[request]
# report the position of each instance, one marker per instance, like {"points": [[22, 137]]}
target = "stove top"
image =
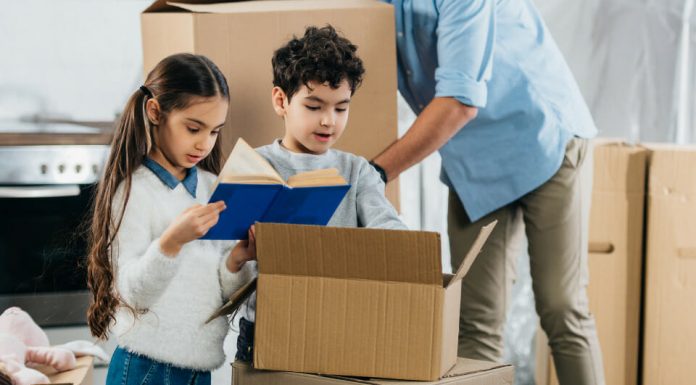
{"points": [[30, 133]]}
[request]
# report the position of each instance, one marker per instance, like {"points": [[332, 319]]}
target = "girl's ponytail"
{"points": [[132, 138]]}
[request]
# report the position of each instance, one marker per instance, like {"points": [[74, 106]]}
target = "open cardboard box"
{"points": [[355, 302]]}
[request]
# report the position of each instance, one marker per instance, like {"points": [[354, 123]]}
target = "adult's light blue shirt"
{"points": [[499, 57]]}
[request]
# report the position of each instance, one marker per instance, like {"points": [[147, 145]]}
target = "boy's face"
{"points": [[315, 117]]}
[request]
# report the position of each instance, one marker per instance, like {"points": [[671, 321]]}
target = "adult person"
{"points": [[495, 97]]}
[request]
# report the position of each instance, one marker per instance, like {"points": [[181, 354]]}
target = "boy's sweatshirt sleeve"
{"points": [[142, 270], [374, 209]]}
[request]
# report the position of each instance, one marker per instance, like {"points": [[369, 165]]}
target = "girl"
{"points": [[151, 282]]}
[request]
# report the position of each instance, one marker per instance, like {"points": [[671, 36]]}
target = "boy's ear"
{"points": [[278, 98], [152, 109]]}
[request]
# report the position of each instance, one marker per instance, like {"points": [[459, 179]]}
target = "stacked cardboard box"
{"points": [[240, 37], [670, 318], [465, 372], [615, 261]]}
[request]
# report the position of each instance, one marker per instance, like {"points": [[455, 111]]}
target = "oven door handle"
{"points": [[39, 191]]}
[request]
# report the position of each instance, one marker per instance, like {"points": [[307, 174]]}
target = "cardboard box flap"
{"points": [[473, 252], [349, 253], [236, 300], [207, 6], [167, 6], [464, 367]]}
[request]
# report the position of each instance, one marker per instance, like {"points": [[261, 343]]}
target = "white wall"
{"points": [[73, 59]]}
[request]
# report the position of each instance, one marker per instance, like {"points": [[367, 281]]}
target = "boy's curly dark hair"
{"points": [[322, 56]]}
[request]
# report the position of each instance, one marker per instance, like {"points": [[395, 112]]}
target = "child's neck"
{"points": [[297, 147], [178, 172]]}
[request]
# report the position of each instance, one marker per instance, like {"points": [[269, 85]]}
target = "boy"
{"points": [[314, 78]]}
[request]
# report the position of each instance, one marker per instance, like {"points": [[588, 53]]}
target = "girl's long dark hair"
{"points": [[176, 82]]}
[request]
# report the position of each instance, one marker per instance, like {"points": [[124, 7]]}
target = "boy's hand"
{"points": [[192, 224], [242, 252]]}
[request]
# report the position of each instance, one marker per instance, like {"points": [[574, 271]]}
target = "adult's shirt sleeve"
{"points": [[465, 42]]}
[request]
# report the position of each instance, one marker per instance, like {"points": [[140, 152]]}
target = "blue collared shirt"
{"points": [[499, 57], [190, 182]]}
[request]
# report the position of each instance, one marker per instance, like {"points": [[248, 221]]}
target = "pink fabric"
{"points": [[58, 358], [17, 322], [22, 341], [12, 352]]}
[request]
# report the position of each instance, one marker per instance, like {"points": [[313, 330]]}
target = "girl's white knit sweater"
{"points": [[177, 294]]}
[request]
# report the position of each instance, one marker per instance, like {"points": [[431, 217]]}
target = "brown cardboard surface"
{"points": [[615, 259], [269, 6], [360, 253], [465, 372], [470, 257], [616, 256], [83, 374], [240, 38], [450, 325], [358, 302], [669, 332], [348, 327]]}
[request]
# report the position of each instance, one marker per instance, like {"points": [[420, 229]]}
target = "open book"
{"points": [[254, 192]]}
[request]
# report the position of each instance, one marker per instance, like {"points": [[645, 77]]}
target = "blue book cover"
{"points": [[254, 192], [251, 203]]}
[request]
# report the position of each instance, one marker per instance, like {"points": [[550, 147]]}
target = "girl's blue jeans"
{"points": [[128, 368]]}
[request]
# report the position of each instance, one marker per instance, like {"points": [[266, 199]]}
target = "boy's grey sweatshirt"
{"points": [[364, 204]]}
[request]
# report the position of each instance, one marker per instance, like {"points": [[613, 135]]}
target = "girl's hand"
{"points": [[192, 224], [243, 251]]}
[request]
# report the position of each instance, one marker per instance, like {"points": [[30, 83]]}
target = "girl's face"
{"points": [[188, 135]]}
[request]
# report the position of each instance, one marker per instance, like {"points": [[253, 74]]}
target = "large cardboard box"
{"points": [[240, 38], [83, 374], [356, 302], [670, 316], [465, 372], [615, 260]]}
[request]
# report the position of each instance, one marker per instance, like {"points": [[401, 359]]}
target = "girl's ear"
{"points": [[152, 108], [279, 100]]}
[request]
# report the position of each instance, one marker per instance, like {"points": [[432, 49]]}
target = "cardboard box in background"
{"points": [[240, 37], [356, 302], [83, 374], [670, 315], [615, 261], [465, 372]]}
